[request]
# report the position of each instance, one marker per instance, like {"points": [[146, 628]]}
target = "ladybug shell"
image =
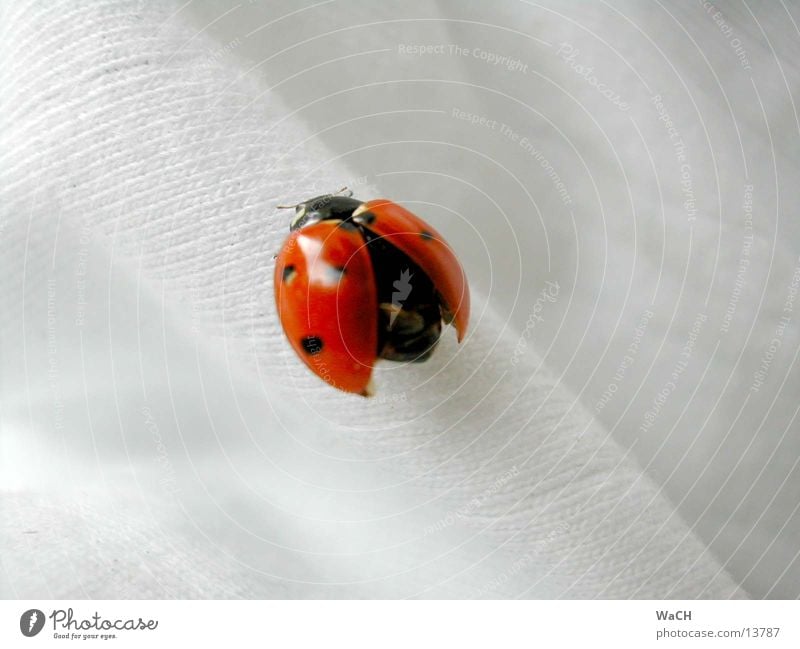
{"points": [[425, 247], [327, 299]]}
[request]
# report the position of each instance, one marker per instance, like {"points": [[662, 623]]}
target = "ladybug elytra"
{"points": [[357, 281]]}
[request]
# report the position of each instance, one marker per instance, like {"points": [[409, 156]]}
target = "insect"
{"points": [[357, 281]]}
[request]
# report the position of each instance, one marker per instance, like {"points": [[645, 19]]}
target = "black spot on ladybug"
{"points": [[312, 345], [289, 273], [426, 235], [368, 218], [348, 225]]}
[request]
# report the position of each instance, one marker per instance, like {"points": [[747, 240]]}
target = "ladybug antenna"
{"points": [[344, 189], [286, 207]]}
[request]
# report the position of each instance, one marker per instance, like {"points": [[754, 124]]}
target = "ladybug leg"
{"points": [[409, 334], [401, 321]]}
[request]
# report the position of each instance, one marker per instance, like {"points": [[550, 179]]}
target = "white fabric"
{"points": [[159, 439]]}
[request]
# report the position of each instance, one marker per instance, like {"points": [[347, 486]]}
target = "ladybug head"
{"points": [[322, 208]]}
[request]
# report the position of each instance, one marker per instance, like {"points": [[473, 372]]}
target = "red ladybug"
{"points": [[357, 281]]}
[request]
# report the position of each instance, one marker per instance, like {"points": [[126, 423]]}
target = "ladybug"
{"points": [[357, 281]]}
